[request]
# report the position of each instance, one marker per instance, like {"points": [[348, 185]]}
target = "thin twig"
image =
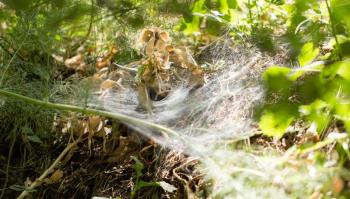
{"points": [[39, 180], [133, 70]]}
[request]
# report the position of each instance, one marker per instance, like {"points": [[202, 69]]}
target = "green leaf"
{"points": [[193, 24], [138, 166], [35, 138], [17, 187], [27, 130], [141, 184], [317, 112], [341, 12], [274, 122], [308, 54], [226, 5], [58, 37], [166, 186], [343, 113], [276, 78], [344, 69]]}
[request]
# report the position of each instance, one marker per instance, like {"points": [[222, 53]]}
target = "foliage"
{"points": [[139, 184], [33, 32], [316, 91], [321, 90]]}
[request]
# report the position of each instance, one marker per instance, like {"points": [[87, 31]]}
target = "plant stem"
{"points": [[39, 180], [331, 21], [118, 116]]}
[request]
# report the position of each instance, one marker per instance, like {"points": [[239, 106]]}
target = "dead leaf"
{"points": [[77, 62], [166, 186], [146, 35], [106, 60], [164, 36], [58, 58], [102, 63], [94, 123], [337, 185], [109, 84], [56, 176], [316, 195]]}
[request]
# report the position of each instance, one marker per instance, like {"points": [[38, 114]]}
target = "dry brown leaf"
{"points": [[106, 59], [109, 84], [145, 36], [316, 195], [56, 176], [337, 185], [153, 39], [197, 72], [75, 62], [118, 74], [94, 122], [28, 182], [102, 63], [80, 128], [149, 49], [58, 58], [164, 36], [156, 74]]}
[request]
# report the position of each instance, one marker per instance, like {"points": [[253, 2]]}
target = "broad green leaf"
{"points": [[317, 112], [308, 54], [344, 69], [275, 122], [226, 5], [298, 72], [193, 25], [271, 125], [276, 78], [343, 113], [340, 38], [341, 12]]}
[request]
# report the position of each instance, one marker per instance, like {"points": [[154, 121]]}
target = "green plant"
{"points": [[321, 89], [139, 184]]}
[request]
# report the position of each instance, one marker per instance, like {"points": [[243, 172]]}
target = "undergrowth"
{"points": [[297, 147]]}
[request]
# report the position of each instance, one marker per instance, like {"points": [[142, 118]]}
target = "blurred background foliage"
{"points": [[316, 33]]}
